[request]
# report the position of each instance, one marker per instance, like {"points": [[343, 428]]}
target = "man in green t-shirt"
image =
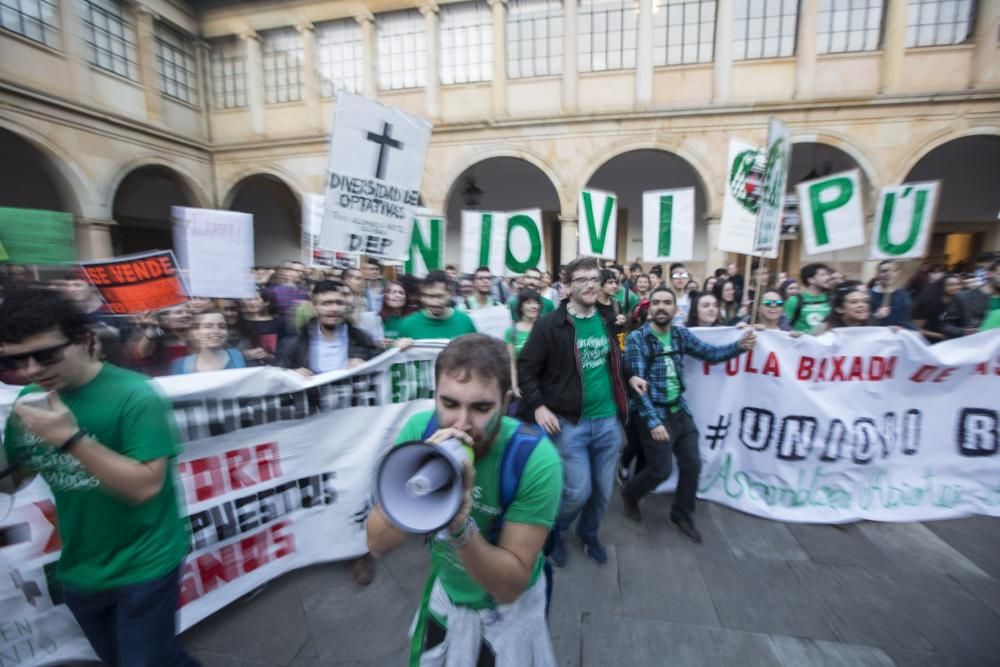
{"points": [[103, 440], [438, 319], [532, 281], [572, 383], [473, 389], [808, 310]]}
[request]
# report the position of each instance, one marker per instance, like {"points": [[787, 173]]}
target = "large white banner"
{"points": [[276, 471], [376, 162], [903, 220], [741, 199], [216, 250], [833, 216], [855, 424], [668, 225]]}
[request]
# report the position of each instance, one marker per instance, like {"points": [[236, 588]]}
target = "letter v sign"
{"points": [[596, 242]]}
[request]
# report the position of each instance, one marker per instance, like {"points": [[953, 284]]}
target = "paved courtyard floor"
{"points": [[756, 592]]}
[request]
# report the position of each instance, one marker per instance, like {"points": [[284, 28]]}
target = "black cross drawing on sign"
{"points": [[383, 140]]}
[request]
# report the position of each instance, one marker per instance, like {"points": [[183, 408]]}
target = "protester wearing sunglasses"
{"points": [[103, 440], [771, 313], [679, 278]]}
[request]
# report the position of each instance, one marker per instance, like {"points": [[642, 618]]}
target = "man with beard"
{"points": [[487, 600], [327, 343], [572, 383], [656, 352], [438, 319]]}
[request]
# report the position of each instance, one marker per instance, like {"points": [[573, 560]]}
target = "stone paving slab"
{"points": [[754, 593]]}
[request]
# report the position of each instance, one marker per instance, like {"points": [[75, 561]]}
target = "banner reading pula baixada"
{"points": [[276, 470]]}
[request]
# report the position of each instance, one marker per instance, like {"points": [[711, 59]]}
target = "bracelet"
{"points": [[73, 439], [464, 535]]}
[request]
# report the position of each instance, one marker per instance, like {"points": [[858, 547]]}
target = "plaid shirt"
{"points": [[641, 352]]}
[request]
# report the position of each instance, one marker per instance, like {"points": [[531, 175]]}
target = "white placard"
{"points": [[832, 212], [493, 321], [216, 250], [377, 158], [740, 203], [484, 241], [598, 224], [427, 245], [525, 242], [778, 159], [668, 225], [903, 220]]}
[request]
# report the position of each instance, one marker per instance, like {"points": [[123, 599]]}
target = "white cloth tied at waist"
{"points": [[517, 632]]}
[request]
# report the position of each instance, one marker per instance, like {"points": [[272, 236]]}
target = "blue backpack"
{"points": [[514, 459]]}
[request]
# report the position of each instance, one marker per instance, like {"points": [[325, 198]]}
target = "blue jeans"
{"points": [[589, 451], [132, 626]]}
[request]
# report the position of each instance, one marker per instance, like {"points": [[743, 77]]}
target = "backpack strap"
{"points": [[798, 311], [432, 426], [512, 463]]}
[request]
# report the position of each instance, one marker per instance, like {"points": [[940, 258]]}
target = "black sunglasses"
{"points": [[46, 357]]}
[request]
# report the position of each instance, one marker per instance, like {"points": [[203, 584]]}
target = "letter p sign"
{"points": [[832, 214]]}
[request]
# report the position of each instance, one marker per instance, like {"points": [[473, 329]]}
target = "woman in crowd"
{"points": [[394, 308], [230, 309], [789, 287], [610, 308], [770, 312], [209, 334], [160, 338], [850, 306], [709, 285], [704, 311], [529, 307], [940, 314], [259, 329], [730, 311]]}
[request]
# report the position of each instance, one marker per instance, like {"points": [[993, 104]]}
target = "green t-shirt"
{"points": [[390, 327], [673, 382], [517, 338], [108, 542], [420, 325], [994, 303], [628, 299], [814, 310], [547, 307], [992, 320], [593, 351], [536, 503]]}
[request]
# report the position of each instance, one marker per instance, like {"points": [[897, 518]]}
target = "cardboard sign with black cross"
{"points": [[377, 156]]}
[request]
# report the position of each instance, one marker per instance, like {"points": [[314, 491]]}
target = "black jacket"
{"points": [[293, 352], [548, 369]]}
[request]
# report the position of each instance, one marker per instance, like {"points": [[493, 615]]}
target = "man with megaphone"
{"points": [[486, 596]]}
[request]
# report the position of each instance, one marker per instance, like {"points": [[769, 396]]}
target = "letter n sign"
{"points": [[903, 220], [426, 246]]}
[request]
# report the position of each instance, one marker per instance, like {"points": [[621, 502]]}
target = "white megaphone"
{"points": [[420, 485]]}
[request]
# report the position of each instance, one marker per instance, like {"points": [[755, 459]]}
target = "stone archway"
{"points": [[630, 174], [969, 203], [503, 184], [141, 207], [277, 216]]}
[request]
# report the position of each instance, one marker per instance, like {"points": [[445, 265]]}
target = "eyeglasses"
{"points": [[46, 357], [592, 280], [772, 302], [680, 275]]}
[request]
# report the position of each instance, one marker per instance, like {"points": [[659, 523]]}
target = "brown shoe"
{"points": [[363, 570]]}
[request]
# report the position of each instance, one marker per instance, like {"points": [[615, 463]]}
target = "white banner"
{"points": [[216, 250], [779, 157], [668, 225], [426, 246], [525, 242], [312, 223], [484, 241], [741, 199], [377, 158], [598, 224], [833, 216], [492, 321], [857, 424], [903, 220]]}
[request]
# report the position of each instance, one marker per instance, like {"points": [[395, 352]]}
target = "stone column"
{"points": [[569, 68], [714, 257], [93, 238], [499, 88], [986, 61], [369, 83], [80, 76], [644, 56], [805, 60], [255, 82], [569, 244], [310, 74], [723, 70], [145, 31], [893, 45], [433, 90]]}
